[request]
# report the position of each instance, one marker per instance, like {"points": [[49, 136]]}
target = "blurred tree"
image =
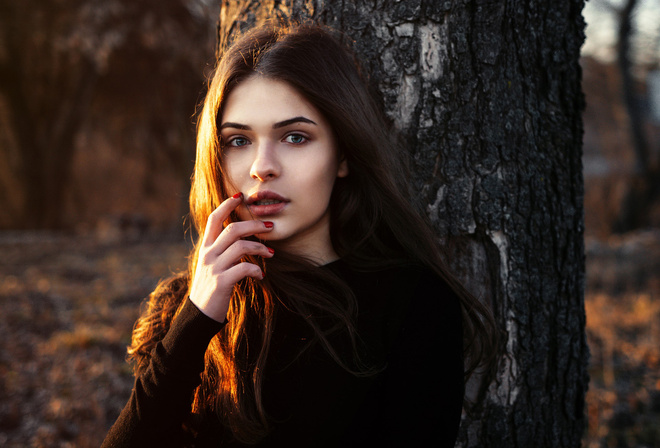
{"points": [[488, 97], [78, 75], [644, 188], [46, 86]]}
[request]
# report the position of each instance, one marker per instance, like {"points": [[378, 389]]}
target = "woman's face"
{"points": [[280, 152]]}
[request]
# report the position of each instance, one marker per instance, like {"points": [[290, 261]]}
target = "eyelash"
{"points": [[232, 140], [295, 134]]}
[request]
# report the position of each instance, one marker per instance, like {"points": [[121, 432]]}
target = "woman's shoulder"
{"points": [[400, 287], [405, 302], [426, 291], [427, 308]]}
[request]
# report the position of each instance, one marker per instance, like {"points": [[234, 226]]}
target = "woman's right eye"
{"points": [[238, 141]]}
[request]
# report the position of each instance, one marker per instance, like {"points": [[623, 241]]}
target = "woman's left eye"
{"points": [[296, 139]]}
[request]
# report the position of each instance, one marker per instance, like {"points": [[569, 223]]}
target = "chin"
{"points": [[268, 236]]}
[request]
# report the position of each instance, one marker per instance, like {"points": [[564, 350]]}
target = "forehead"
{"points": [[259, 99]]}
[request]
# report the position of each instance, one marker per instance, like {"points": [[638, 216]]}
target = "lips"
{"points": [[265, 203]]}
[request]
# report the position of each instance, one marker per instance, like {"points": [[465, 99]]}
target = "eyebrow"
{"points": [[277, 125], [229, 124], [284, 123]]}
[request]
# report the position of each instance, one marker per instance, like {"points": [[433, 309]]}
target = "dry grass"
{"points": [[623, 329]]}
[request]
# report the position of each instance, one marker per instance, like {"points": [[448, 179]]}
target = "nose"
{"points": [[265, 165]]}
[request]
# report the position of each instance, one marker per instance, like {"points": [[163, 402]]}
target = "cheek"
{"points": [[231, 178], [328, 176], [320, 189], [228, 185]]}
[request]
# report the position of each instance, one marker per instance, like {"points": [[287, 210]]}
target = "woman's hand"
{"points": [[218, 265]]}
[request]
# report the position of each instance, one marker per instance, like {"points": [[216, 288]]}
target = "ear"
{"points": [[342, 170]]}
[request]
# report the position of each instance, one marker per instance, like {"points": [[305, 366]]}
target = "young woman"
{"points": [[316, 310]]}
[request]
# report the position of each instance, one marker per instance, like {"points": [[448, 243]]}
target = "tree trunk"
{"points": [[487, 95], [46, 92]]}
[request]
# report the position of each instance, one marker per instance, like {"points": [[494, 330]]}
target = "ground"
{"points": [[623, 330], [67, 306]]}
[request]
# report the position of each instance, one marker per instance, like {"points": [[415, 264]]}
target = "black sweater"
{"points": [[409, 319]]}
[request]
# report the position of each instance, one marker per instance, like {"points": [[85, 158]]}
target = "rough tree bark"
{"points": [[488, 97]]}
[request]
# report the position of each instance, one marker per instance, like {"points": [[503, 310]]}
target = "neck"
{"points": [[315, 247]]}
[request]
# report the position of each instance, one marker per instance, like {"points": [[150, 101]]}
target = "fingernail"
{"points": [[263, 275], [268, 224], [237, 195], [272, 251]]}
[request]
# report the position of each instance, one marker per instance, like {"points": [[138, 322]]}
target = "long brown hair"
{"points": [[373, 223]]}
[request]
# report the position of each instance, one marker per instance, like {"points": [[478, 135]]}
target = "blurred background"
{"points": [[621, 82], [97, 122], [97, 105]]}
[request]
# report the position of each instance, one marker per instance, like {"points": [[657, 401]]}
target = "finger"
{"points": [[238, 250], [217, 217], [236, 273], [237, 230]]}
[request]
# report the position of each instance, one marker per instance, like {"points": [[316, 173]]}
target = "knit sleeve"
{"points": [[162, 394], [425, 372]]}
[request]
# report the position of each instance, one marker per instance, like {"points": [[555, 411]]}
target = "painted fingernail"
{"points": [[263, 275], [272, 251], [237, 195], [268, 224]]}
